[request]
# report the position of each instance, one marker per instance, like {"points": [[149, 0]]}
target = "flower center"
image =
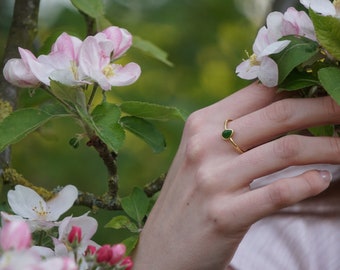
{"points": [[253, 60], [108, 71], [40, 210], [74, 69]]}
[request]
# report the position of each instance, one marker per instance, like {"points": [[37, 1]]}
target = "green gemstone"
{"points": [[227, 133]]}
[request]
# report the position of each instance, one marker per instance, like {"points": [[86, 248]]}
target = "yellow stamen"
{"points": [[40, 210], [108, 71]]}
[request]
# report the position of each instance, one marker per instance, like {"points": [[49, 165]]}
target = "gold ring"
{"points": [[227, 135]]}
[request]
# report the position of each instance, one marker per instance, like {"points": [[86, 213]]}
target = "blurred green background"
{"points": [[205, 40]]}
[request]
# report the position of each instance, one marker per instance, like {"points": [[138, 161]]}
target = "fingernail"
{"points": [[326, 175]]}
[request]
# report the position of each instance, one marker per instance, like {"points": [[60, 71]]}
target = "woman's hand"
{"points": [[206, 205]]}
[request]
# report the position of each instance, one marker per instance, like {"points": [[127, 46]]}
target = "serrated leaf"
{"points": [[151, 111], [330, 80], [151, 49], [92, 8], [122, 222], [130, 243], [136, 205], [106, 113], [299, 50], [144, 130], [327, 32], [22, 122]]}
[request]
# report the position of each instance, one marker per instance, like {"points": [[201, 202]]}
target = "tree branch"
{"points": [[22, 32]]}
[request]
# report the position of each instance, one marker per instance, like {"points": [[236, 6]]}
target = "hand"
{"points": [[206, 205]]}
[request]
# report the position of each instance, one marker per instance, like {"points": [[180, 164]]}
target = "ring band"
{"points": [[227, 135]]}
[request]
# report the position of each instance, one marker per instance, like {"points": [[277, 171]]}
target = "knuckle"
{"points": [[194, 123], [205, 180], [287, 147], [280, 111], [195, 149]]}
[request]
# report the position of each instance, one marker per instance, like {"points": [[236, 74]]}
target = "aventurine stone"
{"points": [[227, 133]]}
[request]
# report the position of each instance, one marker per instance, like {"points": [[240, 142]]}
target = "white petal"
{"points": [[269, 72], [63, 201], [246, 71], [275, 47], [24, 200], [324, 7]]}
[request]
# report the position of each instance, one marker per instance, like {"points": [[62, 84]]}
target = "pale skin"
{"points": [[206, 205]]}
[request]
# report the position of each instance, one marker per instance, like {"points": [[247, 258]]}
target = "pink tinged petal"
{"points": [[125, 75], [19, 74], [274, 48], [274, 24], [121, 39], [15, 235], [90, 58], [68, 45], [27, 203], [268, 73], [261, 41], [246, 71], [40, 71], [62, 202]]}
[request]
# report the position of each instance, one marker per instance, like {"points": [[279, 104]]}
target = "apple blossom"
{"points": [[29, 205], [120, 39], [15, 235], [118, 253], [127, 263], [62, 61], [324, 7], [267, 42], [260, 65], [96, 65]]}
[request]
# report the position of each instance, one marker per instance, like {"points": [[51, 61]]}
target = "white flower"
{"points": [[260, 65], [29, 205], [324, 7]]}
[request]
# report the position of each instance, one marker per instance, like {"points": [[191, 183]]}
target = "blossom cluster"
{"points": [[71, 248], [270, 39], [74, 62]]}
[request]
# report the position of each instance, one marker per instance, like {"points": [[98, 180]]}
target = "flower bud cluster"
{"points": [[74, 62]]}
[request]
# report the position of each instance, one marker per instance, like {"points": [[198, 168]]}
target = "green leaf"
{"points": [[299, 50], [105, 123], [122, 222], [151, 111], [131, 243], [22, 122], [151, 49], [93, 8], [298, 80], [136, 205], [330, 80], [144, 130], [327, 32], [73, 96], [327, 130]]}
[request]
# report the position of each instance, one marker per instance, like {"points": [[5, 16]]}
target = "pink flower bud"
{"points": [[74, 235], [90, 250], [118, 252], [104, 254], [15, 235], [18, 73], [127, 263]]}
